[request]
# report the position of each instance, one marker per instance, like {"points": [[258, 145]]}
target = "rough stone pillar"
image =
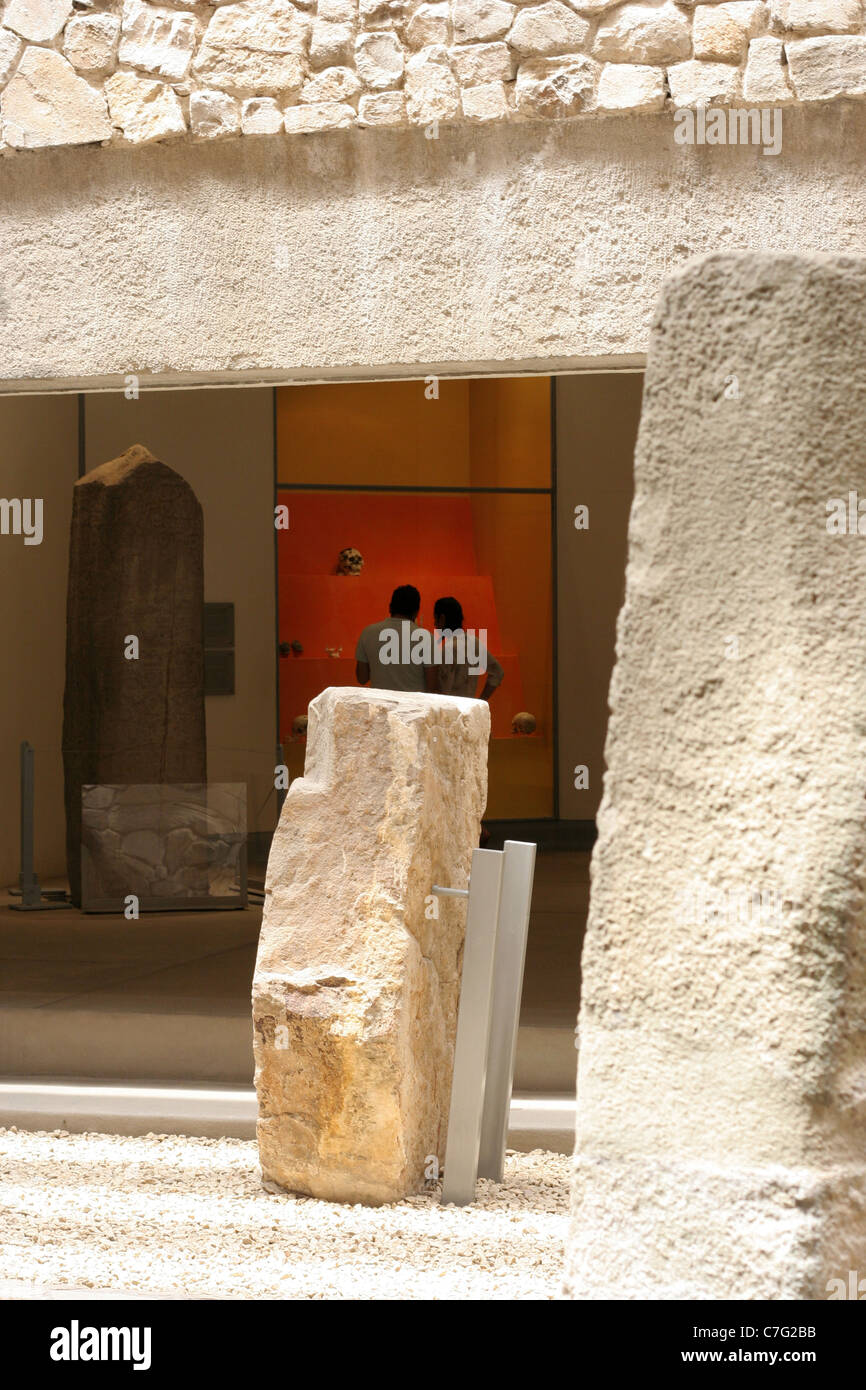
{"points": [[721, 1124], [357, 981], [136, 570]]}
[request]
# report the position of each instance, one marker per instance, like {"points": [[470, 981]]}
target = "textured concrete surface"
{"points": [[357, 977], [379, 252], [721, 1126]]}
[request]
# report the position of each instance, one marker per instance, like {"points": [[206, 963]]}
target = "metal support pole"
{"points": [[514, 905], [31, 895], [473, 1029]]}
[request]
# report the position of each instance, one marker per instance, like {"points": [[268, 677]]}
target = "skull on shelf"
{"points": [[523, 723], [350, 561], [299, 726]]}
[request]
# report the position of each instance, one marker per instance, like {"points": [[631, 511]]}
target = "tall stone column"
{"points": [[721, 1121], [133, 711], [358, 973]]}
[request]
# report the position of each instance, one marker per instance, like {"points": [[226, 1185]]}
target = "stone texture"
{"points": [[766, 77], [432, 93], [382, 108], [699, 84], [821, 69], [817, 16], [47, 103], [11, 48], [355, 990], [38, 21], [722, 32], [485, 102], [142, 109], [254, 47], [90, 42], [482, 62], [429, 24], [326, 115], [332, 84], [379, 60], [261, 116], [556, 87], [643, 34], [478, 21], [540, 30], [331, 44], [630, 87], [721, 1123], [212, 114], [135, 567], [160, 41]]}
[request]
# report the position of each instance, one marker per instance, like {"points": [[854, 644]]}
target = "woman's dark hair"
{"points": [[450, 610]]}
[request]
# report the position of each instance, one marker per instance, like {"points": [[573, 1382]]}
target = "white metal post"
{"points": [[473, 1028], [514, 906]]}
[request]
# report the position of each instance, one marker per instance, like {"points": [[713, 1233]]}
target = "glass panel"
{"points": [[488, 433], [177, 846], [491, 551]]}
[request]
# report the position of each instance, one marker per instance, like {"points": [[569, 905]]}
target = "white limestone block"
{"points": [[824, 68], [143, 109], [631, 87], [698, 84], [541, 30], [765, 80], [326, 115], [485, 102], [261, 116], [432, 93], [38, 21], [556, 87], [482, 62], [382, 108], [379, 59], [357, 982], [643, 34], [47, 103], [721, 33], [254, 46], [479, 21], [90, 42], [213, 114]]}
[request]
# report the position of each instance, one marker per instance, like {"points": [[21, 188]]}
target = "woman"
{"points": [[458, 659]]}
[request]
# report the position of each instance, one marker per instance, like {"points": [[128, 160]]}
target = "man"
{"points": [[394, 654], [460, 657]]}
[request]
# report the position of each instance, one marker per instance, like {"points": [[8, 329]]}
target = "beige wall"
{"points": [[39, 460], [222, 443], [596, 428]]}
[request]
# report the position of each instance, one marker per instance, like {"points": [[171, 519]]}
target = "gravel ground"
{"points": [[165, 1215]]}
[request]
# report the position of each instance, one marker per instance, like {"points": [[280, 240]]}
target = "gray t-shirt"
{"points": [[389, 638]]}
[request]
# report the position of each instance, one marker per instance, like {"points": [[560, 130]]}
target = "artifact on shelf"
{"points": [[299, 726], [523, 723], [350, 561], [334, 651]]}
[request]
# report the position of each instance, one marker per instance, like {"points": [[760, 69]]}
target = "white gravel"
{"points": [[166, 1215]]}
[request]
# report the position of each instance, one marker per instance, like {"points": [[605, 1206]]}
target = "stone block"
{"points": [[700, 84], [482, 62], [332, 84], [325, 115], [824, 68], [429, 24], [135, 570], [357, 983], [144, 110], [631, 87], [432, 93], [382, 108], [541, 30], [159, 41], [721, 33], [379, 60], [556, 87], [261, 116], [37, 21], [721, 1092], [254, 47], [11, 48], [213, 114], [643, 34], [331, 44], [765, 80], [479, 21], [485, 102], [90, 42], [47, 103], [817, 16]]}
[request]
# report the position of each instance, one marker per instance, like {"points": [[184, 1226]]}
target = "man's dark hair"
{"points": [[405, 602], [449, 609]]}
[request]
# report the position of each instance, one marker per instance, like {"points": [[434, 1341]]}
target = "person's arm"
{"points": [[495, 677], [362, 672]]}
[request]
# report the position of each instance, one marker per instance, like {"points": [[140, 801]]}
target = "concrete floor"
{"points": [[167, 997]]}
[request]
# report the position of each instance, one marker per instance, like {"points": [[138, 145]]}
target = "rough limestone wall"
{"points": [[721, 1111], [94, 71]]}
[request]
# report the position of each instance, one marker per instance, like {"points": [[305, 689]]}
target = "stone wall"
{"points": [[100, 71]]}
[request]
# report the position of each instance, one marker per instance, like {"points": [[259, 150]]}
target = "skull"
{"points": [[523, 723], [299, 726], [334, 651], [350, 561]]}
